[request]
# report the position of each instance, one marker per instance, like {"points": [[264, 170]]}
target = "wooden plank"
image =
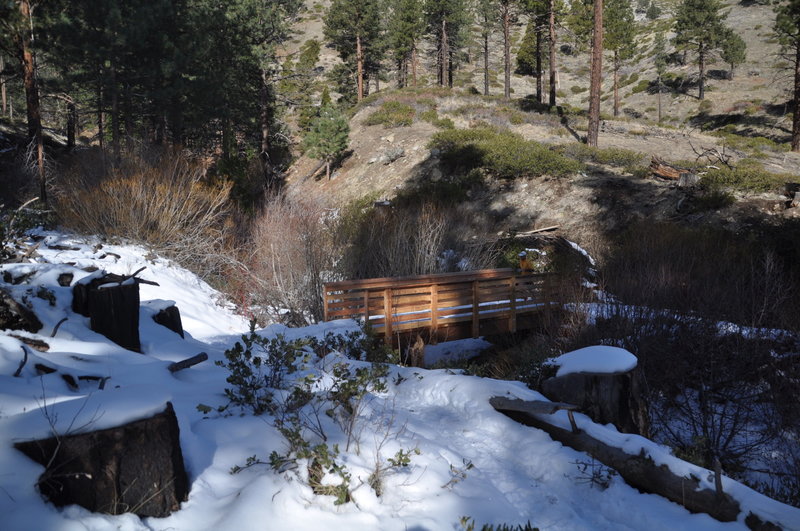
{"points": [[512, 318], [476, 326], [387, 312], [434, 307], [440, 278]]}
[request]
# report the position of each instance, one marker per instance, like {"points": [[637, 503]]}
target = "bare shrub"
{"points": [[164, 203], [292, 255], [415, 240]]}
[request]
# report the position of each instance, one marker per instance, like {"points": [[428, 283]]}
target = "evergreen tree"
{"points": [[787, 28], [619, 38], [485, 15], [699, 25], [506, 17], [354, 29], [538, 11], [660, 61], [596, 77], [653, 11], [328, 137], [405, 30], [734, 51], [447, 21]]}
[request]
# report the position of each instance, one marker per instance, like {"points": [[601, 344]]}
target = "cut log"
{"points": [[135, 468], [641, 472], [615, 398], [15, 316], [190, 362], [170, 317], [114, 312], [661, 168]]}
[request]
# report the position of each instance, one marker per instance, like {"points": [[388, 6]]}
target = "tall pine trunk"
{"points": [[796, 115], [658, 88], [266, 121], [414, 65], [3, 84], [552, 27], [485, 64], [538, 63], [444, 54], [359, 68], [24, 42], [115, 140], [616, 83], [701, 59], [72, 123], [506, 49], [596, 75]]}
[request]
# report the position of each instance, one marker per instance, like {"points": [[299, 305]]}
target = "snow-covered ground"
{"points": [[473, 462]]}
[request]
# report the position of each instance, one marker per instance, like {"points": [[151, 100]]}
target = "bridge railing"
{"points": [[433, 302]]}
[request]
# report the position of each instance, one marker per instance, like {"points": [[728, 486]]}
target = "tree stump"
{"points": [[15, 316], [170, 317], [137, 467], [111, 303], [615, 398]]}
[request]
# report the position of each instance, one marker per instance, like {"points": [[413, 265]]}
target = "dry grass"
{"points": [[164, 203]]}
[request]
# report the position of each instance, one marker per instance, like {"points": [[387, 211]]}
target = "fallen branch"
{"points": [[185, 364], [55, 329], [23, 362]]}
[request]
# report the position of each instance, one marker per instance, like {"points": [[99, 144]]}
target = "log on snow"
{"points": [[641, 472]]}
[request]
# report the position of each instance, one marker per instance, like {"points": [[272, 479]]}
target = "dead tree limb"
{"points": [[185, 364], [23, 362]]}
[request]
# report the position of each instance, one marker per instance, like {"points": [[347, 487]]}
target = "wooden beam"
{"points": [[434, 309], [387, 314], [476, 312]]}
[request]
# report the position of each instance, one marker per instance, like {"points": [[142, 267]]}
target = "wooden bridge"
{"points": [[444, 306]]}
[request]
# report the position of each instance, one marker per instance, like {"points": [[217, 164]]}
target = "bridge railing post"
{"points": [[512, 297], [476, 318], [434, 310], [387, 315]]}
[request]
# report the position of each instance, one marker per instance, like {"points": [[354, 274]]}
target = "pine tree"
{"points": [[447, 21], [506, 17], [354, 28], [596, 79], [787, 28], [484, 12], [328, 137], [538, 11], [17, 38], [699, 25], [734, 51], [404, 33], [660, 61], [619, 38]]}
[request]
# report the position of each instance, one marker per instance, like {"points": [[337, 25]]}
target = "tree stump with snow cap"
{"points": [[136, 468], [605, 383]]}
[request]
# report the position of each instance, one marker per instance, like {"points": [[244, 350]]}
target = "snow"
{"points": [[473, 461], [599, 359]]}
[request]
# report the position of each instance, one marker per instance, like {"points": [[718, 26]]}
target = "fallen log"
{"points": [[189, 362], [639, 471], [660, 168]]}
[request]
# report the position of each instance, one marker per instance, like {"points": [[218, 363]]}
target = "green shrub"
{"points": [[392, 114], [577, 89], [623, 158], [641, 86], [747, 177], [432, 117], [503, 154]]}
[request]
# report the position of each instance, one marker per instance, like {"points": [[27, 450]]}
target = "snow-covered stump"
{"points": [[111, 302], [137, 467], [170, 317], [15, 316], [605, 383]]}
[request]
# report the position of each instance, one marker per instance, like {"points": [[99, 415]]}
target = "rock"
{"points": [[615, 398], [15, 316], [391, 155], [137, 467]]}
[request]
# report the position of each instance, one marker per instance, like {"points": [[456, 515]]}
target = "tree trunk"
{"points": [[616, 83], [506, 49], [72, 122], [414, 65], [114, 117], [443, 55], [24, 41], [485, 64], [128, 105], [359, 69], [538, 63], [552, 25], [100, 131], [596, 75], [266, 119], [796, 115], [701, 59], [3, 84], [658, 88], [328, 169]]}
